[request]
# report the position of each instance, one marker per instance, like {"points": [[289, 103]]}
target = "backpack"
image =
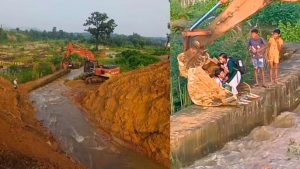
{"points": [[239, 65]]}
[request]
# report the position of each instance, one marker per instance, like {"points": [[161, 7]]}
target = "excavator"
{"points": [[92, 71], [195, 63]]}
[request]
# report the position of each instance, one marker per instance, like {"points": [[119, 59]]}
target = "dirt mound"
{"points": [[23, 141], [135, 107]]}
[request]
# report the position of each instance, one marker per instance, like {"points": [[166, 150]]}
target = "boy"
{"points": [[275, 47], [257, 47]]}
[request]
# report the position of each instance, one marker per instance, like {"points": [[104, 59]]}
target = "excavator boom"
{"points": [[236, 12], [82, 52]]}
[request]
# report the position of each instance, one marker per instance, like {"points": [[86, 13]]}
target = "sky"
{"points": [[145, 17]]}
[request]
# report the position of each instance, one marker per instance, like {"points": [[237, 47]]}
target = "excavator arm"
{"points": [[82, 52], [236, 12]]}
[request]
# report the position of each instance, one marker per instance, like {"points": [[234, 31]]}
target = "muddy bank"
{"points": [[133, 107], [23, 140]]}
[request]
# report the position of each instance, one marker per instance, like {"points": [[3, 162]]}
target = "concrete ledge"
{"points": [[32, 85], [196, 132]]}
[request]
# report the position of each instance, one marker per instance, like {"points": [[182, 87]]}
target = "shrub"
{"points": [[56, 60], [42, 69], [132, 59], [278, 11], [289, 32]]}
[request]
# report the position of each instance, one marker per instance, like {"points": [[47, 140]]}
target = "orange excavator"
{"points": [[194, 61], [92, 71]]}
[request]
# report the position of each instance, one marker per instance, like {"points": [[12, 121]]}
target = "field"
{"points": [[233, 42], [31, 60]]}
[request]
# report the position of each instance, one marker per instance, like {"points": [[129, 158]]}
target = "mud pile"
{"points": [[24, 144], [135, 107]]}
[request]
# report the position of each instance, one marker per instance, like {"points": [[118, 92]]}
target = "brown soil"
{"points": [[24, 143], [133, 107]]}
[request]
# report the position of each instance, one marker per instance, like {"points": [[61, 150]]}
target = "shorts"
{"points": [[258, 63], [273, 59]]}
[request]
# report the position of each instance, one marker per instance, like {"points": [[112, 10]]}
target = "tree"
{"points": [[137, 40], [61, 34], [54, 32], [100, 26]]}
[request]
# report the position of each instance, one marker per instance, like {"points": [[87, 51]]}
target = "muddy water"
{"points": [[76, 136], [264, 147]]}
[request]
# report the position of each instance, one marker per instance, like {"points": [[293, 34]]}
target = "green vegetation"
{"points": [[289, 32], [278, 11], [234, 42], [133, 59], [24, 74], [17, 35], [37, 58], [191, 12]]}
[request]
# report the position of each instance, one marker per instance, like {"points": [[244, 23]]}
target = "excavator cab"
{"points": [[89, 66]]}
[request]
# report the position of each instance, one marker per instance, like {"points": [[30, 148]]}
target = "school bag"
{"points": [[239, 64]]}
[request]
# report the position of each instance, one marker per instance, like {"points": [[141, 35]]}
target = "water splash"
{"points": [[265, 146], [76, 136]]}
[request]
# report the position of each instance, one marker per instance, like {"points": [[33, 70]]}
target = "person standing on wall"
{"points": [[256, 46], [275, 47]]}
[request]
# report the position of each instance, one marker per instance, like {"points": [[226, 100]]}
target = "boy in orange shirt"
{"points": [[275, 47]]}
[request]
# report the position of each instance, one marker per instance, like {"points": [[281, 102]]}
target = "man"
{"points": [[256, 46], [233, 77], [15, 82]]}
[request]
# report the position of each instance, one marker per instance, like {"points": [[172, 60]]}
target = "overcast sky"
{"points": [[146, 17]]}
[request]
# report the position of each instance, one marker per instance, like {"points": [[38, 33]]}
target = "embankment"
{"points": [[135, 107], [24, 143]]}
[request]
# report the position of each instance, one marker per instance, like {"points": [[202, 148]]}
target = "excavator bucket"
{"points": [[196, 65], [193, 32]]}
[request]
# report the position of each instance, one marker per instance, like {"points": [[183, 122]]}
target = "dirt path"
{"points": [[77, 137]]}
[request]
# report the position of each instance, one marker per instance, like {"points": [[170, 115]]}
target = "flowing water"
{"points": [[265, 147], [76, 136]]}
